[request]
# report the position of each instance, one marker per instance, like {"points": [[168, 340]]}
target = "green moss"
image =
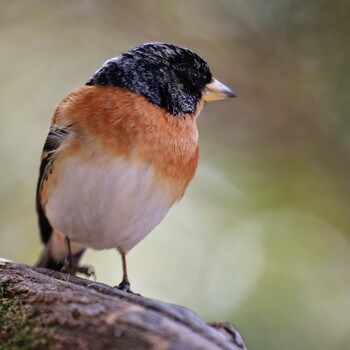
{"points": [[17, 330]]}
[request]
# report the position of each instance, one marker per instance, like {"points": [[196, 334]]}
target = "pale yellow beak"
{"points": [[215, 90]]}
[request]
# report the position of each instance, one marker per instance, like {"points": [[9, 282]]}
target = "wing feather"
{"points": [[53, 141]]}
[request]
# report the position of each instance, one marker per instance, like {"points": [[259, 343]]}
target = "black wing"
{"points": [[53, 141]]}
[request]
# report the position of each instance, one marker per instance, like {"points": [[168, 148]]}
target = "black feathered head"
{"points": [[168, 76]]}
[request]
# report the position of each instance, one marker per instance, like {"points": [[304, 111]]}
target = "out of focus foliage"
{"points": [[262, 236]]}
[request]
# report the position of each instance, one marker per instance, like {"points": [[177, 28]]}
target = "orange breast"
{"points": [[125, 124]]}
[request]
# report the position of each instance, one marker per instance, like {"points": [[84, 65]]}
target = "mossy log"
{"points": [[43, 309]]}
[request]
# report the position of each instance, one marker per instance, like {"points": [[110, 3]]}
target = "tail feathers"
{"points": [[48, 262], [54, 255]]}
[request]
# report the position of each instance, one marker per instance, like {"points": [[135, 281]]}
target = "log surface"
{"points": [[43, 309]]}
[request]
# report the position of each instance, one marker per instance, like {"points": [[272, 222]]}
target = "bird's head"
{"points": [[168, 76]]}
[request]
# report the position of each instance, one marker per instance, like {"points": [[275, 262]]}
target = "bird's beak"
{"points": [[217, 91]]}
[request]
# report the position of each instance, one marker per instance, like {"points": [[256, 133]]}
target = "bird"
{"points": [[120, 152]]}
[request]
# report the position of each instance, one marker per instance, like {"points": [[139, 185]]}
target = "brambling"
{"points": [[121, 151]]}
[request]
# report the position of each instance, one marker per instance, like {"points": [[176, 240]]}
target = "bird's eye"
{"points": [[194, 75]]}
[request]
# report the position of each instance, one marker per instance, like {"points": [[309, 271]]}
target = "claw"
{"points": [[124, 286], [85, 270], [71, 267]]}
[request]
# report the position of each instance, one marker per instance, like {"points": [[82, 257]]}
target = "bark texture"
{"points": [[43, 309]]}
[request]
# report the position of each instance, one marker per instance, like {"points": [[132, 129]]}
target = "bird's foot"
{"points": [[88, 271], [124, 286]]}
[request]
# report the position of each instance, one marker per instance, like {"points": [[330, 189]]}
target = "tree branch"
{"points": [[43, 309]]}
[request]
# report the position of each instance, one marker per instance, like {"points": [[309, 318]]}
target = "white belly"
{"points": [[114, 207]]}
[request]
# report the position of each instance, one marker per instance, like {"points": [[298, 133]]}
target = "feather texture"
{"points": [[119, 168]]}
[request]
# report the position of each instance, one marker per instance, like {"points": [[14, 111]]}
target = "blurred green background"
{"points": [[261, 237]]}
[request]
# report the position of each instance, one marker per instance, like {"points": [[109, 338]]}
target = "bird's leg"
{"points": [[71, 265], [124, 285]]}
